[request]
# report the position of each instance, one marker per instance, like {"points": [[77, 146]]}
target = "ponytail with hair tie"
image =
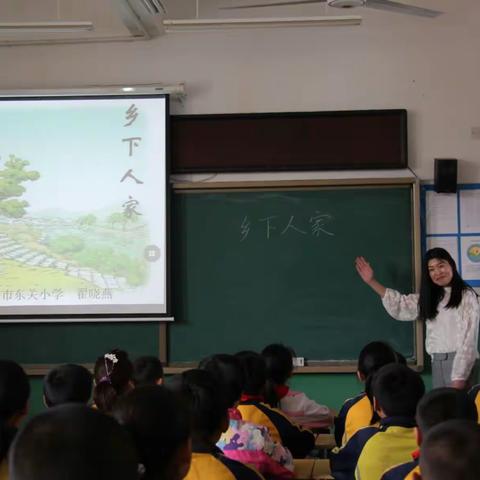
{"points": [[113, 376]]}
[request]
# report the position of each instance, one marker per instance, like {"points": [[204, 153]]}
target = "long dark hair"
{"points": [[113, 375], [203, 394], [254, 372], [227, 369], [279, 362], [432, 294]]}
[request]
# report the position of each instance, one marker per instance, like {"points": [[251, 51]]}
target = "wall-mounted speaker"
{"points": [[446, 175]]}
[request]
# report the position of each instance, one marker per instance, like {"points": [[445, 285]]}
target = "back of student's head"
{"points": [[227, 369], [450, 451], [397, 390], [67, 383], [147, 370], [444, 404], [73, 441], [204, 396], [14, 394], [254, 372], [113, 377], [279, 363], [160, 425], [373, 356]]}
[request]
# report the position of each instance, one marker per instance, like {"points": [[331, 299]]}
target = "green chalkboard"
{"points": [[255, 267], [54, 343]]}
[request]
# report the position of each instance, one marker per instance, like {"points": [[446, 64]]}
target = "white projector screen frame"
{"points": [[84, 208]]}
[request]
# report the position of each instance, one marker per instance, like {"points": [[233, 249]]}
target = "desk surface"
{"points": [[325, 440], [307, 422], [312, 468]]}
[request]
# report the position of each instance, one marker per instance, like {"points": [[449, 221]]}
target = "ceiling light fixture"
{"points": [[44, 27], [198, 24]]}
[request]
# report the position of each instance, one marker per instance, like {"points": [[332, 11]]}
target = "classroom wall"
{"points": [[430, 67]]}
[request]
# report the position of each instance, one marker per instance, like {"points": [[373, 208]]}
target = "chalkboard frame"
{"points": [[413, 183]]}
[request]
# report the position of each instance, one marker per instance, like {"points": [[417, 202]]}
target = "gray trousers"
{"points": [[442, 364]]}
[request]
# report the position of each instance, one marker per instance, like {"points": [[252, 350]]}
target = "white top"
{"points": [[452, 330], [298, 404]]}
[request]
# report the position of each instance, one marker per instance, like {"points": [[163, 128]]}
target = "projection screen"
{"points": [[83, 207]]}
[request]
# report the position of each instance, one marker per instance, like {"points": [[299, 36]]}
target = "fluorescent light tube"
{"points": [[188, 25], [44, 27]]}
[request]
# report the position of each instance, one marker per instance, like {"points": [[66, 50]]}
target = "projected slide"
{"points": [[83, 206]]}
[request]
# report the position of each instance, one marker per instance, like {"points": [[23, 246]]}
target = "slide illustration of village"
{"points": [[46, 254]]}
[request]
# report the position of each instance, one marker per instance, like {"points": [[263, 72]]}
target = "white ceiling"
{"points": [[109, 23]]}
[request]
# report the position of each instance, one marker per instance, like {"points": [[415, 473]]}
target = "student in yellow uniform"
{"points": [[435, 407], [298, 440], [474, 394], [396, 392], [209, 410], [244, 441], [450, 451], [159, 423], [372, 450], [14, 394], [357, 412]]}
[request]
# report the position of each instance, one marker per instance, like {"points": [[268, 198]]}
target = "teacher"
{"points": [[451, 312]]}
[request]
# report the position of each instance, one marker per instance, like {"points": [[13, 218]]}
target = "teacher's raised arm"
{"points": [[367, 275], [450, 309]]}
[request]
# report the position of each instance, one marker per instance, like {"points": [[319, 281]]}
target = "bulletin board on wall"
{"points": [[452, 221]]}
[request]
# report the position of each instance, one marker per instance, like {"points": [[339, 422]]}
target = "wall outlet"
{"points": [[298, 362]]}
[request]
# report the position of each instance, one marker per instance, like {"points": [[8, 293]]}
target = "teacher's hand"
{"points": [[364, 269], [366, 273]]}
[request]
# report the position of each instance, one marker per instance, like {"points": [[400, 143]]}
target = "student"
{"points": [[147, 370], [435, 407], [73, 441], [67, 383], [451, 312], [372, 450], [451, 451], [474, 394], [14, 394], [357, 412], [244, 441], [209, 409], [253, 409], [159, 423], [113, 374], [278, 394]]}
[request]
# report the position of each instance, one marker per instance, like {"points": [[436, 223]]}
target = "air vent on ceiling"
{"points": [[154, 7]]}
